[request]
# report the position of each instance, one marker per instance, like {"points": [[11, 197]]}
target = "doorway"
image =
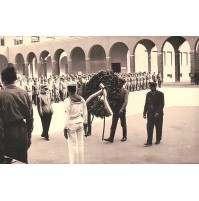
{"points": [[116, 67]]}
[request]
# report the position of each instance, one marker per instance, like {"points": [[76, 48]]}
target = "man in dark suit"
{"points": [[119, 112], [153, 109]]}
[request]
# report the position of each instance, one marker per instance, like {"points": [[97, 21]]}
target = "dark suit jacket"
{"points": [[154, 104]]}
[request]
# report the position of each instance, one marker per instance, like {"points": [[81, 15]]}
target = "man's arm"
{"points": [[29, 120], [145, 107], [2, 157], [161, 104], [125, 101]]}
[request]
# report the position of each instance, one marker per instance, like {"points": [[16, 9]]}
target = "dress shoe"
{"points": [[42, 135], [157, 142], [123, 139], [148, 144], [108, 140], [47, 139], [87, 134]]}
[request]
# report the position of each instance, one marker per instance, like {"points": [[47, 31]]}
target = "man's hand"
{"points": [[121, 111], [144, 116], [66, 133]]}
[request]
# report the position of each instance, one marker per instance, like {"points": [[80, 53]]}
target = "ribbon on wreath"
{"points": [[102, 92]]}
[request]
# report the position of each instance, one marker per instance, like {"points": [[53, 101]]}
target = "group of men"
{"points": [[140, 81], [16, 114], [57, 85]]}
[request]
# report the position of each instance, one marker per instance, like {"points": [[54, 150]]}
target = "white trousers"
{"points": [[76, 143]]}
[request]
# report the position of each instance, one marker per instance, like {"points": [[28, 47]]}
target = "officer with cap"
{"points": [[153, 110], [45, 110]]}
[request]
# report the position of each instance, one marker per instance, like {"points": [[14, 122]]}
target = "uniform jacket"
{"points": [[15, 105], [44, 104], [76, 111], [154, 104]]}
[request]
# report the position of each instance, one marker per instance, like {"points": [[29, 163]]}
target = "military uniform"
{"points": [[45, 111], [153, 108]]}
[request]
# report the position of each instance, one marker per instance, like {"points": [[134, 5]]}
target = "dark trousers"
{"points": [[157, 122], [115, 118], [45, 120], [89, 131], [16, 141], [35, 98], [159, 83]]}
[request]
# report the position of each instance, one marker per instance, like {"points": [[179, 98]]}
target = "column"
{"points": [[69, 66], [45, 69], [40, 67], [88, 65], [55, 68], [193, 64], [149, 61], [132, 63], [26, 70], [160, 64], [177, 66], [108, 63]]}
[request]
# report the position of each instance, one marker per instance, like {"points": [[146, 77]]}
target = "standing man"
{"points": [[159, 79], [153, 108], [119, 112], [45, 111], [154, 77], [35, 90], [16, 117], [75, 122]]}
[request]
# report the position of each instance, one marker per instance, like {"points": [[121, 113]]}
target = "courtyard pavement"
{"points": [[179, 144]]}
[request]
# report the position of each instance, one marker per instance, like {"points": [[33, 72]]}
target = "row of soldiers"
{"points": [[140, 81], [57, 86]]}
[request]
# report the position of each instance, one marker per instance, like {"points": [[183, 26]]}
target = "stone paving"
{"points": [[180, 134]]}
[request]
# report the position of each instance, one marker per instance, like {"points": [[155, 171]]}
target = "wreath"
{"points": [[110, 80]]}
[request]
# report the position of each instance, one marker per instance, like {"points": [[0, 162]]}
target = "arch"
{"points": [[97, 56], [45, 64], [120, 57], [141, 59], [176, 41], [171, 58], [61, 63], [78, 60], [32, 65], [20, 64], [3, 62], [145, 52]]}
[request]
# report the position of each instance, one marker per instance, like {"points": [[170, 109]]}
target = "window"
{"points": [[169, 58], [50, 37], [185, 58], [18, 42], [35, 39], [2, 42]]}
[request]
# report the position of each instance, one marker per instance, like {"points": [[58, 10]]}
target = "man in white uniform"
{"points": [[75, 122]]}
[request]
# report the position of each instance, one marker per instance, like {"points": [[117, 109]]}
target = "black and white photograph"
{"points": [[119, 99], [103, 99]]}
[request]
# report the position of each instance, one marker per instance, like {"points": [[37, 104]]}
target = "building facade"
{"points": [[175, 57]]}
